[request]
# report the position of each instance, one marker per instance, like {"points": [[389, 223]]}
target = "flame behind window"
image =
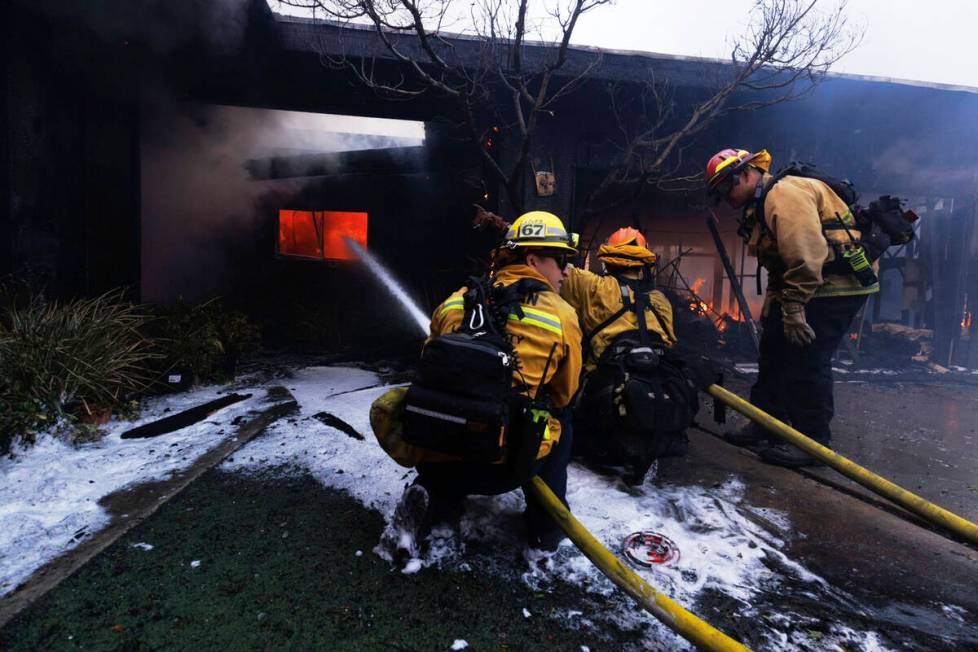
{"points": [[320, 235]]}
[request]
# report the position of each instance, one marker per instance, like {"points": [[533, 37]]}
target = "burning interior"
{"points": [[320, 235]]}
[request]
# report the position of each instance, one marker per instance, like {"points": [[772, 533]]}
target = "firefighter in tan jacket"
{"points": [[608, 306], [797, 228], [596, 297], [546, 344]]}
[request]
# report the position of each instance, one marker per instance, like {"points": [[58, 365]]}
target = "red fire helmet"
{"points": [[728, 162], [724, 163]]}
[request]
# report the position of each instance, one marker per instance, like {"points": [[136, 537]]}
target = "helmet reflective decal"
{"points": [[540, 229]]}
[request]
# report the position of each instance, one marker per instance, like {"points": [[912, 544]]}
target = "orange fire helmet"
{"points": [[627, 235], [626, 247]]}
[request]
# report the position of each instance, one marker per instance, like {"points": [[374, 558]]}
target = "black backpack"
{"points": [[464, 402], [882, 225], [639, 388]]}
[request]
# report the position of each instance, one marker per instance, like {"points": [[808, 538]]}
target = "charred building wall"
{"points": [[130, 130], [910, 141], [74, 81], [123, 167], [70, 179]]}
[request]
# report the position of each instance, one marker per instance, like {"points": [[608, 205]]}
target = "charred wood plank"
{"points": [[334, 421], [183, 419]]}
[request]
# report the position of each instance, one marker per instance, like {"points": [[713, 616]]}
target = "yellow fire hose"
{"points": [[684, 623], [912, 502]]}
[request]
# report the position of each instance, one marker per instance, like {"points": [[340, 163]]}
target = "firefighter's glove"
{"points": [[796, 329], [702, 372]]}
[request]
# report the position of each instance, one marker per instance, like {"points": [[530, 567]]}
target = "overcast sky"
{"points": [[905, 39]]}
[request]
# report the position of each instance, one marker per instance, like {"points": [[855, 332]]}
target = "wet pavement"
{"points": [[923, 437], [882, 567]]}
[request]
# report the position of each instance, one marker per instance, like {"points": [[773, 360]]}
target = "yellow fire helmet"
{"points": [[540, 230]]}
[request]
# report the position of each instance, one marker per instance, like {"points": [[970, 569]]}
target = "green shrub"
{"points": [[205, 340], [55, 354]]}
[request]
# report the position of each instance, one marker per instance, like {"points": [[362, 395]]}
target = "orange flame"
{"points": [[705, 309]]}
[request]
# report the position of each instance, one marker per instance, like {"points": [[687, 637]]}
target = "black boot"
{"points": [[639, 468], [403, 535], [546, 541], [678, 445], [788, 456], [445, 509], [750, 435]]}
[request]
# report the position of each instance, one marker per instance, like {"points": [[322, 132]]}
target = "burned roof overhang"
{"points": [[324, 38], [361, 42]]}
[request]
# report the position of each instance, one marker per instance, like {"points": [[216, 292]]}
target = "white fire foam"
{"points": [[726, 545]]}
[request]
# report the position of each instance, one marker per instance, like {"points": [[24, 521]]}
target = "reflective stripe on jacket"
{"points": [[794, 248], [596, 298]]}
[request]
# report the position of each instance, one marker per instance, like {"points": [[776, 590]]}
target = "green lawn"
{"points": [[278, 570]]}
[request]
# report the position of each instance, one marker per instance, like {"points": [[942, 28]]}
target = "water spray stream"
{"points": [[391, 285]]}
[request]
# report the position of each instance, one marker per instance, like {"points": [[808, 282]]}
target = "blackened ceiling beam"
{"points": [[392, 160]]}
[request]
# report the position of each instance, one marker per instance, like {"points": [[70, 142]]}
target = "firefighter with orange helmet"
{"points": [[628, 337], [464, 431], [800, 229], [596, 297]]}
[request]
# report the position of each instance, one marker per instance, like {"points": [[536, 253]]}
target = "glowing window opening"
{"points": [[320, 235]]}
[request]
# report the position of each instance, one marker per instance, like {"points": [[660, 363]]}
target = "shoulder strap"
{"points": [[500, 299], [760, 194], [527, 286], [626, 306], [476, 316], [651, 306], [642, 301]]}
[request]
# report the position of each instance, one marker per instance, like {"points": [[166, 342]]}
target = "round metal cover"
{"points": [[648, 549]]}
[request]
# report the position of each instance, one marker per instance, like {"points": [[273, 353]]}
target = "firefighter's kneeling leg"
{"points": [[541, 530], [591, 419]]}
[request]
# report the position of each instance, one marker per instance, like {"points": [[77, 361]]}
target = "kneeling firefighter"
{"points": [[637, 398], [502, 361], [819, 249]]}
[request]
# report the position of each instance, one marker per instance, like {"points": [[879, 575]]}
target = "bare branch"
{"points": [[410, 31], [785, 53], [788, 48]]}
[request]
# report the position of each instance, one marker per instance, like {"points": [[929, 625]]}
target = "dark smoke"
{"points": [[214, 26], [202, 211]]}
